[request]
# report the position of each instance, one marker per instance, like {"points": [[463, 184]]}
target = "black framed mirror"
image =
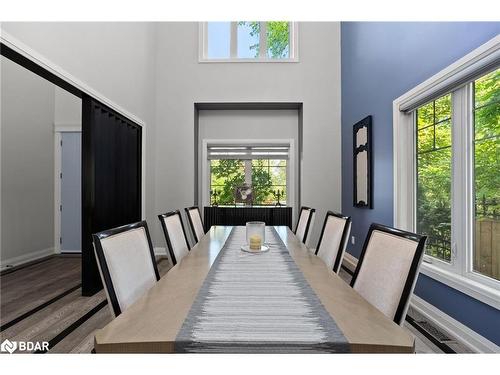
{"points": [[362, 163]]}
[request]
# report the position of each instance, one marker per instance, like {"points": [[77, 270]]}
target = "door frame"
{"points": [[60, 128]]}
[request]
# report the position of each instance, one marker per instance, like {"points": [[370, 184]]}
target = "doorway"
{"points": [[70, 176]]}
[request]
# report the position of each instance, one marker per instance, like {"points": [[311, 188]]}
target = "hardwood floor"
{"points": [[69, 322], [47, 297], [24, 289]]}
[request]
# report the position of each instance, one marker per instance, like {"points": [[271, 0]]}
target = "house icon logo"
{"points": [[8, 346]]}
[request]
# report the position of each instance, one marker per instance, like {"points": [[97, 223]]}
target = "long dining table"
{"points": [[220, 299]]}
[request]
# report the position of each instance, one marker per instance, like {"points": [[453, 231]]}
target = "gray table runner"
{"points": [[257, 303]]}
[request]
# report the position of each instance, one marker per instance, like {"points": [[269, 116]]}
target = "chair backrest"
{"points": [[195, 222], [304, 223], [173, 228], [387, 269], [333, 239], [126, 263]]}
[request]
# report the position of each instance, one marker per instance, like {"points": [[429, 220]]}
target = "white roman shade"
{"points": [[248, 152], [461, 75]]}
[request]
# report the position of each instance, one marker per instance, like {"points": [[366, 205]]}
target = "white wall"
{"points": [[248, 124], [152, 71], [115, 59], [67, 109], [27, 165], [181, 81]]}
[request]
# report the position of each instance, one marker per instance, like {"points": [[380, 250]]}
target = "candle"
{"points": [[255, 242]]}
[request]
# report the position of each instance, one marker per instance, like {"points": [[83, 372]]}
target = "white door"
{"points": [[71, 192]]}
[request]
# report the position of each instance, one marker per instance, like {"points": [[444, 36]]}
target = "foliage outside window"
{"points": [[248, 40], [486, 258], [267, 177], [434, 176]]}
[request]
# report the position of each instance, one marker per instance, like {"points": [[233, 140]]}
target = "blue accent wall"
{"points": [[380, 62]]}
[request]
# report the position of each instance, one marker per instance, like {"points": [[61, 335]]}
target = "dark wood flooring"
{"points": [[69, 322], [24, 289]]}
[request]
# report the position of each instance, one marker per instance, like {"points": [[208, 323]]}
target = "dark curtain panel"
{"points": [[111, 178]]}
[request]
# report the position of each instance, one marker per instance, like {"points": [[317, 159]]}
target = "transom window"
{"points": [[248, 41]]}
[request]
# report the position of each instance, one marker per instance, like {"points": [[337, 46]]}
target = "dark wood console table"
{"points": [[240, 215]]}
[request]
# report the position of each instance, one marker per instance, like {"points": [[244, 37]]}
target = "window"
{"points": [[264, 168], [486, 142], [433, 180], [248, 41], [447, 172]]}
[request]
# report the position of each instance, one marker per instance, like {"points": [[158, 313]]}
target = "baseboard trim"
{"points": [[160, 251], [464, 334], [30, 257], [453, 327]]}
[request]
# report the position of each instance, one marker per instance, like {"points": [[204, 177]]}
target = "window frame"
{"points": [[203, 46], [459, 273], [291, 173]]}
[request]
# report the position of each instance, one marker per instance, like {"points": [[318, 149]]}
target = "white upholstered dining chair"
{"points": [[195, 222], [127, 264], [175, 235], [304, 224], [333, 239], [387, 269]]}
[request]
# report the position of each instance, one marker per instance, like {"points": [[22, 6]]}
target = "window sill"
{"points": [[252, 61], [474, 289]]}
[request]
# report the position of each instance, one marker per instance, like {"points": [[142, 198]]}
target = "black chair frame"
{"points": [[101, 258], [337, 264], [309, 219], [415, 264], [162, 218], [191, 224]]}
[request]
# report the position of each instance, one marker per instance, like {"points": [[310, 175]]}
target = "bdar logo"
{"points": [[8, 346]]}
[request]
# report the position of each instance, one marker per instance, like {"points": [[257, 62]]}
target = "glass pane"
{"points": [[425, 115], [219, 36], [225, 175], [433, 203], [261, 182], [487, 177], [443, 134], [278, 175], [278, 40], [277, 163], [260, 162], [487, 121], [487, 89], [425, 140], [248, 39], [443, 108], [272, 199]]}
